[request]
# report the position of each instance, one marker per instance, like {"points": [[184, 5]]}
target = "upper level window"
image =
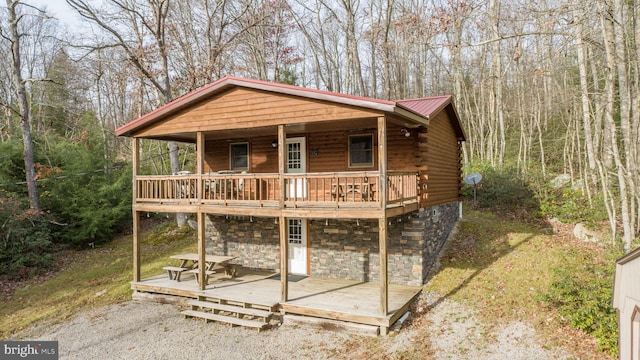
{"points": [[360, 150], [239, 156]]}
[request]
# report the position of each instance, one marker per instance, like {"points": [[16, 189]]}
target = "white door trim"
{"points": [[298, 246]]}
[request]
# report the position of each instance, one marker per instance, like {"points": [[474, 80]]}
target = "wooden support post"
{"points": [[382, 161], [202, 250], [135, 161], [136, 246], [382, 221], [384, 287], [199, 164], [282, 154], [202, 247], [284, 258], [282, 221]]}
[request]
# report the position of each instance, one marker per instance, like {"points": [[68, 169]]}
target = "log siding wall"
{"points": [[326, 152], [439, 151]]}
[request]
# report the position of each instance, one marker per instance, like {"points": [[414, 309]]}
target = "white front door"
{"points": [[297, 230], [296, 163]]}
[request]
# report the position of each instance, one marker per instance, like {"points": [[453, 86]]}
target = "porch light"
{"points": [[274, 144], [406, 132]]}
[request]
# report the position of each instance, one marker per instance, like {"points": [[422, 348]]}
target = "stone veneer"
{"points": [[343, 249], [255, 240]]}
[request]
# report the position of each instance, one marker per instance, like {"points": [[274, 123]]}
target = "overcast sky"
{"points": [[57, 8]]}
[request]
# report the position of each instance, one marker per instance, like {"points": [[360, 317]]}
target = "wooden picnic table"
{"points": [[345, 191], [190, 264]]}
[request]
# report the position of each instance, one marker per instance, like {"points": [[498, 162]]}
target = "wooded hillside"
{"points": [[546, 87]]}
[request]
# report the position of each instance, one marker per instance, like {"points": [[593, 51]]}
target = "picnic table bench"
{"points": [[190, 264], [174, 272]]}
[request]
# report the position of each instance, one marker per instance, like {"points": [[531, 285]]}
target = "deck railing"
{"points": [[340, 189]]}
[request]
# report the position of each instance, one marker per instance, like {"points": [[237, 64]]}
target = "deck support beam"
{"points": [[202, 251], [282, 221], [284, 259], [135, 160], [202, 246], [382, 221]]}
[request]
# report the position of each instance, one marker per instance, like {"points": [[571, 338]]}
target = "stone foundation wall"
{"points": [[349, 249], [255, 240], [342, 249], [437, 223]]}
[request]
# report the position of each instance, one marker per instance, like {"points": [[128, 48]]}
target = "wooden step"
{"points": [[263, 314], [225, 319]]}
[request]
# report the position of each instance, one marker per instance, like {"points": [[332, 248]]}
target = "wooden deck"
{"points": [[321, 195], [335, 299]]}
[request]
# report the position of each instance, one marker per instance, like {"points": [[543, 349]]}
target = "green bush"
{"points": [[570, 206], [499, 188], [581, 293], [84, 199], [90, 209], [25, 240]]}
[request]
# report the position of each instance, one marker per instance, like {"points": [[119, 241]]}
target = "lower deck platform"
{"points": [[335, 299]]}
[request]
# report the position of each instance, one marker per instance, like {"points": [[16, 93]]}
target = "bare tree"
{"points": [[140, 20], [14, 37]]}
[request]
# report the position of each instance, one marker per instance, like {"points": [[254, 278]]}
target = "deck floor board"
{"points": [[323, 296]]}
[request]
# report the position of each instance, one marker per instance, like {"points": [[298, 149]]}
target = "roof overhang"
{"points": [[408, 110]]}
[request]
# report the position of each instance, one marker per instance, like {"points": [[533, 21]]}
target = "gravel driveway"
{"points": [[143, 330]]}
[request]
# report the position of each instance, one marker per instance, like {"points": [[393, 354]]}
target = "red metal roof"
{"points": [[426, 107]]}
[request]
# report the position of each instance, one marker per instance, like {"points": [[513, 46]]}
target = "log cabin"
{"points": [[308, 184]]}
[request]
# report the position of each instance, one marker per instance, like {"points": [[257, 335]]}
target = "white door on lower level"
{"points": [[297, 246]]}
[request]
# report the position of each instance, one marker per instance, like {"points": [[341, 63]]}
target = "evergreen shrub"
{"points": [[499, 188], [25, 240], [582, 295]]}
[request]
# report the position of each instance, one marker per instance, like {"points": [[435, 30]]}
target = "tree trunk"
{"points": [[584, 96], [21, 92]]}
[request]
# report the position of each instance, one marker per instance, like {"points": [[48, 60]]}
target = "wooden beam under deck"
{"points": [[336, 315], [306, 213]]}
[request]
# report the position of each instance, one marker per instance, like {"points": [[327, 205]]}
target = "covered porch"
{"points": [[336, 299], [302, 158]]}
